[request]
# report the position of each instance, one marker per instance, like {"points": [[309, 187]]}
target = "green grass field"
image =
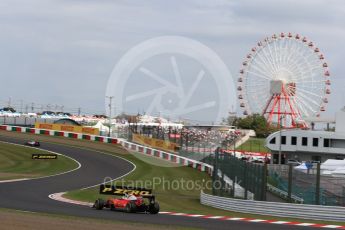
{"points": [[16, 163], [254, 145]]}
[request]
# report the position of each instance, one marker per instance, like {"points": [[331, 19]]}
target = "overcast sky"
{"points": [[63, 52]]}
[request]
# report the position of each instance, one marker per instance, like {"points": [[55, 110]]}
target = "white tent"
{"points": [[165, 125], [101, 127], [332, 164], [302, 166], [339, 172]]}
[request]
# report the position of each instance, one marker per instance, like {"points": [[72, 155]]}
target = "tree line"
{"points": [[256, 122]]}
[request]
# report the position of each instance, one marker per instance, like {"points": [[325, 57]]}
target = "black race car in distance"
{"points": [[33, 143]]}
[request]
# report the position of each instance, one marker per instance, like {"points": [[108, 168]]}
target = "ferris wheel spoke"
{"points": [[315, 65], [301, 109], [278, 53], [262, 56], [259, 68], [257, 84], [295, 59], [260, 75], [310, 89], [305, 109], [272, 58], [299, 72], [296, 52], [295, 107], [305, 105], [293, 50], [269, 58], [302, 76], [311, 81], [290, 50], [308, 99], [264, 66], [275, 54], [306, 77], [310, 93], [256, 91], [296, 62], [281, 54]]}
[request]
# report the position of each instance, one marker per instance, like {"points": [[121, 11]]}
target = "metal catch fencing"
{"points": [[309, 185], [249, 176]]}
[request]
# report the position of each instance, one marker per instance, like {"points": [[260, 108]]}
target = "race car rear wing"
{"points": [[122, 190]]}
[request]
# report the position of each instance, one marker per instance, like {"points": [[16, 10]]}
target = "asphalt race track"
{"points": [[32, 195]]}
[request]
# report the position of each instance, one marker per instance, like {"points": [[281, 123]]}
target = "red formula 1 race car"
{"points": [[33, 143], [132, 200]]}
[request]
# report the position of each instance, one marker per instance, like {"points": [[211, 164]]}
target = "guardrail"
{"points": [[301, 211], [201, 166], [284, 194]]}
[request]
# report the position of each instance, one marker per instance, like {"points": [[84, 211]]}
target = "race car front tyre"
{"points": [[154, 208], [99, 204]]}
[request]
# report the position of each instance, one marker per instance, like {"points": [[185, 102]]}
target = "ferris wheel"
{"points": [[285, 78]]}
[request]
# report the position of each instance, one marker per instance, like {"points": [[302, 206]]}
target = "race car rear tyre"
{"points": [[99, 204], [130, 207], [154, 208]]}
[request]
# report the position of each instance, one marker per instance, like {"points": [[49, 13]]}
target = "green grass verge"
{"points": [[254, 145], [16, 163]]}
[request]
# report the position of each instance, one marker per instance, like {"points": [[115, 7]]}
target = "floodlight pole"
{"points": [[110, 105]]}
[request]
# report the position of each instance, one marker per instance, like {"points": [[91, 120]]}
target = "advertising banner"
{"points": [[155, 143], [67, 128], [121, 190], [44, 156]]}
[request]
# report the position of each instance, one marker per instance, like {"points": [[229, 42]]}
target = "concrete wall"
{"points": [[340, 121]]}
